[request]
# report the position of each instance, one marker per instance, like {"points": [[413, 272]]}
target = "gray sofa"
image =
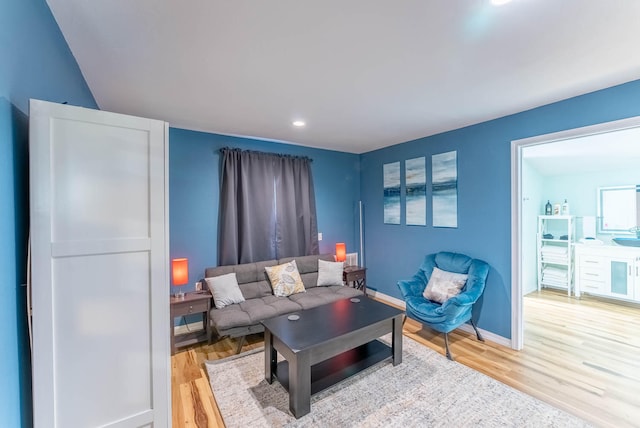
{"points": [[240, 319]]}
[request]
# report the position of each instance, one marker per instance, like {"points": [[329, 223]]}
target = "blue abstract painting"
{"points": [[416, 192], [391, 177], [445, 189]]}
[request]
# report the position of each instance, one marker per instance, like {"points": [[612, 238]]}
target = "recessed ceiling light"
{"points": [[299, 123], [499, 2]]}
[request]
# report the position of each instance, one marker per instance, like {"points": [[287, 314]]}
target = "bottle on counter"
{"points": [[565, 208], [548, 208]]}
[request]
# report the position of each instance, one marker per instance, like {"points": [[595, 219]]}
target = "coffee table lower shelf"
{"points": [[334, 370]]}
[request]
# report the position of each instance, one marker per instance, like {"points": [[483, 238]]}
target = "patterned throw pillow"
{"points": [[443, 285], [285, 279]]}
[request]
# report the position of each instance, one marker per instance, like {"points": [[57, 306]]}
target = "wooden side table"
{"points": [[193, 303], [356, 275]]}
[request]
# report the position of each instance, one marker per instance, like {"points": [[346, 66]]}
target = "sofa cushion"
{"points": [[254, 290], [251, 312], [305, 264], [251, 277], [321, 295], [313, 297], [245, 273], [343, 292]]}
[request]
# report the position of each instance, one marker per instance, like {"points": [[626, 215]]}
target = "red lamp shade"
{"points": [[180, 271], [341, 252]]}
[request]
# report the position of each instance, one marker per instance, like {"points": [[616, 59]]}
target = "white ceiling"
{"points": [[364, 74], [604, 152]]}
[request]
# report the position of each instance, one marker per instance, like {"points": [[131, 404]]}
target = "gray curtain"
{"points": [[267, 207]]}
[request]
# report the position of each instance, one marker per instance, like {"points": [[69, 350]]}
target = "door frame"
{"points": [[517, 147]]}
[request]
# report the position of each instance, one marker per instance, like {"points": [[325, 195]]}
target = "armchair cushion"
{"points": [[453, 262], [443, 285]]}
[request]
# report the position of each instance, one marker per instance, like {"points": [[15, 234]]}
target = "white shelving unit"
{"points": [[555, 267]]}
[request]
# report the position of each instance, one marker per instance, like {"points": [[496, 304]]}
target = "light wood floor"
{"points": [[582, 356]]}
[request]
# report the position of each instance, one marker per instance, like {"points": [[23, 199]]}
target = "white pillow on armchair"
{"points": [[444, 285]]}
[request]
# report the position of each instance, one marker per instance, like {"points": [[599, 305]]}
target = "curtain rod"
{"points": [[233, 149]]}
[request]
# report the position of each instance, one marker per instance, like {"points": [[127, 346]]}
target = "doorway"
{"points": [[590, 150]]}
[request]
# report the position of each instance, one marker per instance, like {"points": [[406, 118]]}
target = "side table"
{"points": [[356, 275], [192, 303]]}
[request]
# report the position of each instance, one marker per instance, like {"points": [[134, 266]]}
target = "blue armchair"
{"points": [[456, 310]]}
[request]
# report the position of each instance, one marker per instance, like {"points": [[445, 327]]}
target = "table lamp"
{"points": [[341, 252], [180, 274]]}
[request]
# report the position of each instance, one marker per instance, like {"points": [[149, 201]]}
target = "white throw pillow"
{"points": [[443, 285], [330, 273], [225, 290]]}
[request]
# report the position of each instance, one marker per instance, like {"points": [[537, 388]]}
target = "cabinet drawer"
{"points": [[192, 308], [196, 307], [592, 286], [355, 276], [592, 274], [593, 262]]}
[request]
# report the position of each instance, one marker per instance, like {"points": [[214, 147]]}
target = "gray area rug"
{"points": [[426, 390]]}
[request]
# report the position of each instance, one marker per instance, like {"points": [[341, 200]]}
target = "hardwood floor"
{"points": [[582, 356], [192, 402]]}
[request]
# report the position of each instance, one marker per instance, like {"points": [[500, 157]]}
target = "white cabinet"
{"points": [[555, 237], [607, 270]]}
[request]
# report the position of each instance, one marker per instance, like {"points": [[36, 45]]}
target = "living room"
{"points": [[38, 63]]}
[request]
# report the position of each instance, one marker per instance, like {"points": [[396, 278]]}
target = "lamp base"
{"points": [[179, 295]]}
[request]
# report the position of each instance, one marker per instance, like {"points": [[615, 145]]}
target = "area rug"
{"points": [[426, 390]]}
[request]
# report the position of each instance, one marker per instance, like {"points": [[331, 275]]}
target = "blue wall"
{"points": [[35, 62], [484, 195], [194, 184]]}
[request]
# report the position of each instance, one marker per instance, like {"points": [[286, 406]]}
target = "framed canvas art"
{"points": [[445, 189], [416, 192], [391, 178]]}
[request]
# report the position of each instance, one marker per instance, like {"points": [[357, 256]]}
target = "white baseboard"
{"points": [[386, 298], [186, 328], [487, 335]]}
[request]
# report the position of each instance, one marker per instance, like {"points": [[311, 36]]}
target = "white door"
{"points": [[100, 288]]}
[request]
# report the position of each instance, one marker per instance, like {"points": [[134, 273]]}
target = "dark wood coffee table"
{"points": [[327, 344]]}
